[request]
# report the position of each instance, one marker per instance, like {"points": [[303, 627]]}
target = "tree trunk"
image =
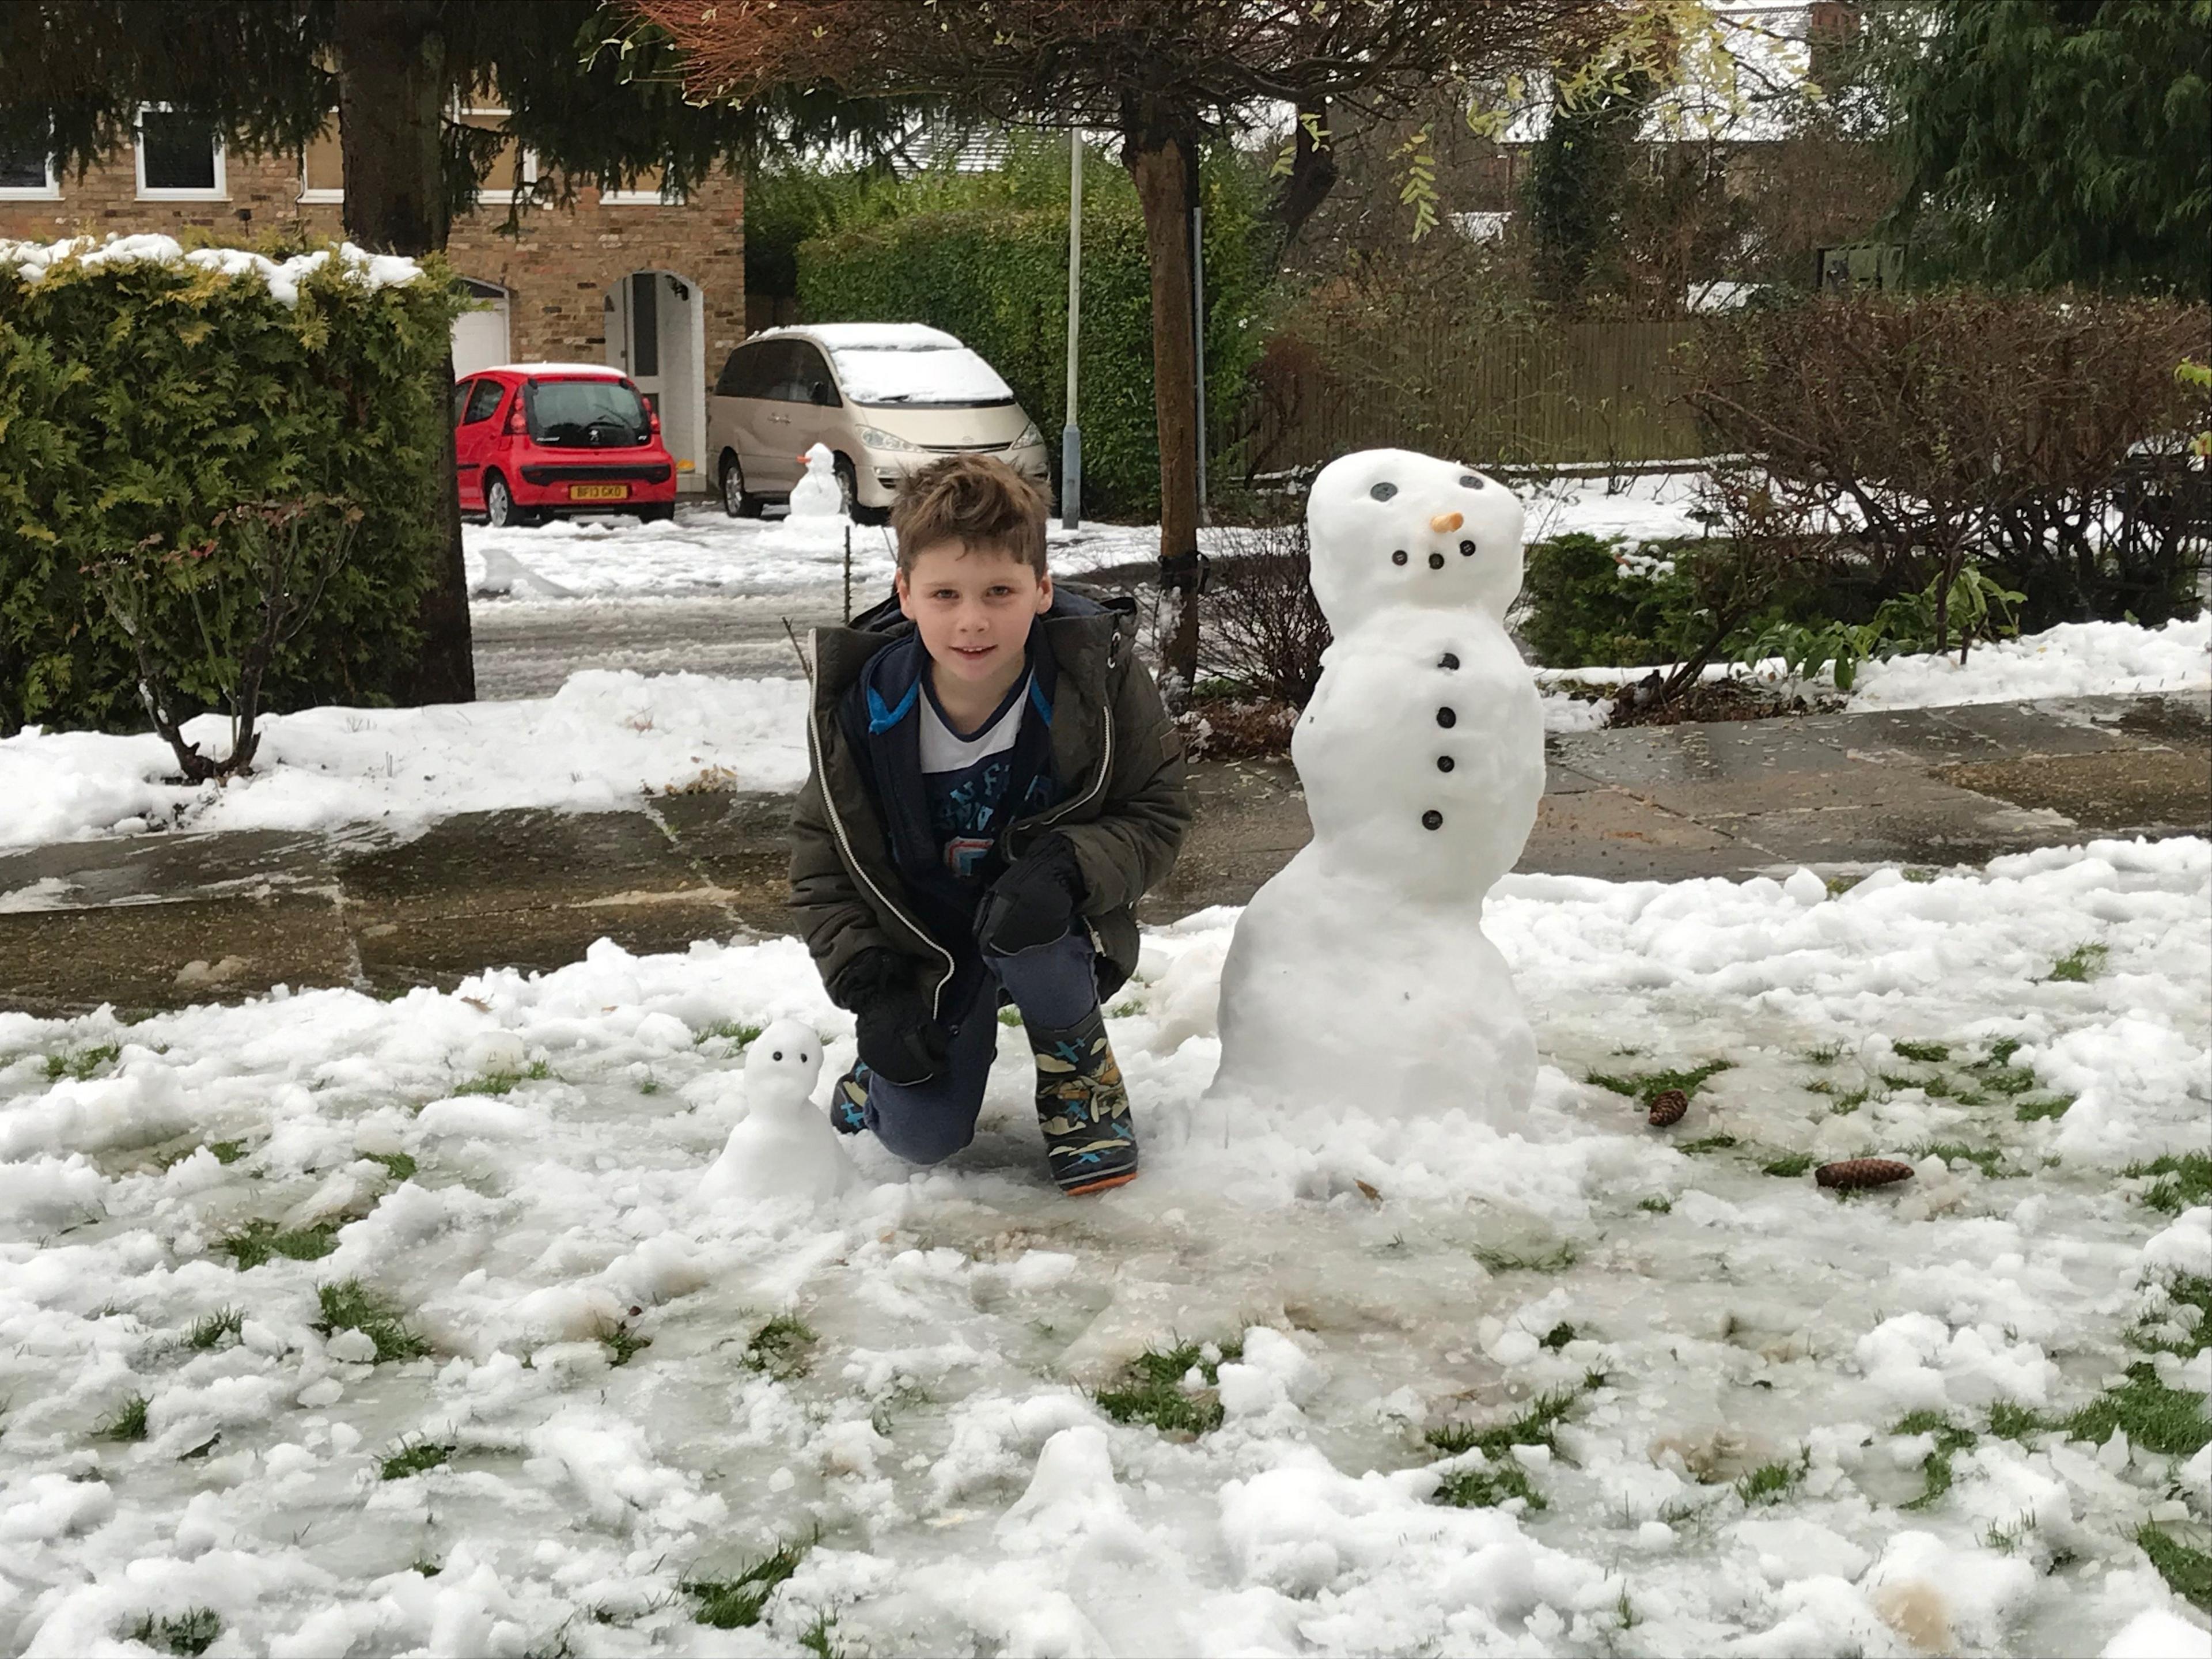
{"points": [[392, 97], [1161, 166]]}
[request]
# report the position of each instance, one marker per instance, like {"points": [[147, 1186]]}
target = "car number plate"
{"points": [[598, 492]]}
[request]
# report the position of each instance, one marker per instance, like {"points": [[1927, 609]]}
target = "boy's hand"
{"points": [[1033, 902], [898, 1039]]}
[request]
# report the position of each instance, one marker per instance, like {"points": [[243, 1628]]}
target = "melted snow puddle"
{"points": [[937, 1431]]}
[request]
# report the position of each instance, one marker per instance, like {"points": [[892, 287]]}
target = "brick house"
{"points": [[655, 287]]}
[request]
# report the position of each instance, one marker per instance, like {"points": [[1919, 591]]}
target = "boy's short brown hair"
{"points": [[976, 499]]}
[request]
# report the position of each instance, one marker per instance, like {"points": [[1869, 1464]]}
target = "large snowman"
{"points": [[1360, 977]]}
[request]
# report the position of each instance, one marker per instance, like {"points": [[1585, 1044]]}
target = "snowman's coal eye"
{"points": [[1383, 492], [1468, 481], [1399, 557], [777, 1054]]}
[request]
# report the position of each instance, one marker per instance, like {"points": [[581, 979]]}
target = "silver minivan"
{"points": [[886, 397]]}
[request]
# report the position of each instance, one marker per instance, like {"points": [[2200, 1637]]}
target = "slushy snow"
{"points": [[1385, 1277]]}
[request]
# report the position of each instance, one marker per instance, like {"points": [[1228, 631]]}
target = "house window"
{"points": [[179, 158], [27, 175], [644, 190], [322, 167], [513, 165]]}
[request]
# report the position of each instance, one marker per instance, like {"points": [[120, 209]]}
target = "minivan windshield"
{"points": [[594, 412], [946, 376]]}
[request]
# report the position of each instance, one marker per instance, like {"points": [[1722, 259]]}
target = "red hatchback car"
{"points": [[539, 440]]}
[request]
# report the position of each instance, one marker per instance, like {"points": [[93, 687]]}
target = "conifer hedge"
{"points": [[141, 397]]}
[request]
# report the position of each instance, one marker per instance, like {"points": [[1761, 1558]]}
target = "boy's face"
{"points": [[973, 607]]}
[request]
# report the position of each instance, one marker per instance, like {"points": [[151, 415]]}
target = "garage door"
{"points": [[480, 333]]}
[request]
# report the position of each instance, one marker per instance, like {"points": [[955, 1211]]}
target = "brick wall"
{"points": [[557, 269]]}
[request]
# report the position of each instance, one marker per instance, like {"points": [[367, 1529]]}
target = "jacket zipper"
{"points": [[845, 845], [1105, 764]]}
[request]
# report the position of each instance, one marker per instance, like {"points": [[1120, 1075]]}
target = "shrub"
{"points": [[1591, 600], [1264, 629], [147, 398], [2045, 437]]}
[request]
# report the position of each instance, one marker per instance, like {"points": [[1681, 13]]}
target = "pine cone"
{"points": [[1667, 1108], [1862, 1172]]}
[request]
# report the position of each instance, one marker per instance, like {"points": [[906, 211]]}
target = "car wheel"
{"points": [[500, 510], [735, 501], [848, 497]]}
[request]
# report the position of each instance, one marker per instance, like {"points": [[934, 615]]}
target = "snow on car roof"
{"points": [[596, 371], [910, 363], [871, 337]]}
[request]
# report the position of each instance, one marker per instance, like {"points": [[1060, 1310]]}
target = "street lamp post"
{"points": [[1071, 436]]}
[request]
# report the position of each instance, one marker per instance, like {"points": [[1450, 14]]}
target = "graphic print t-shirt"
{"points": [[967, 780]]}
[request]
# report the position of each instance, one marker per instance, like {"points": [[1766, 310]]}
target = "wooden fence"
{"points": [[1514, 396]]}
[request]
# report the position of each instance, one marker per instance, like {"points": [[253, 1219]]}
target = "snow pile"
{"points": [[597, 744], [34, 261], [2070, 660], [511, 1172]]}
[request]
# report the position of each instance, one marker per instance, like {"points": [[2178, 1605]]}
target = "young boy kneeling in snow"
{"points": [[993, 783]]}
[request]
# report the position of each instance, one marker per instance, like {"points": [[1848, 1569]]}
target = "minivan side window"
{"points": [[745, 374], [809, 371], [483, 401]]}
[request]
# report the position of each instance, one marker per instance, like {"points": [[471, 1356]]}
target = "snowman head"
{"points": [[783, 1062], [1389, 527], [819, 459]]}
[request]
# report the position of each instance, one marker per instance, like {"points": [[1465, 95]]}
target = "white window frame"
{"points": [[220, 193], [325, 194], [526, 159], [50, 191]]}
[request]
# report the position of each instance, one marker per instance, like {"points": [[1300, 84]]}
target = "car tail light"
{"points": [[654, 415], [514, 427]]}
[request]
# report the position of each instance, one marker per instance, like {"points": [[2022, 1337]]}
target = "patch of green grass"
{"points": [[1536, 1425], [418, 1459], [2006, 1538], [428, 1569], [1827, 1054], [1657, 1205], [1482, 1489], [1990, 1160], [624, 1344], [816, 1639], [736, 1603], [2079, 965], [1557, 1259], [2002, 1051], [1789, 1166], [2007, 1079], [1125, 1009], [501, 1083], [128, 1422], [2188, 1317], [398, 1166], [206, 1333], [2188, 1571], [1152, 1391], [2011, 1422], [80, 1064], [1899, 1080], [2184, 1181], [1647, 1087], [1929, 1052], [1844, 1105], [736, 1030], [1770, 1483], [349, 1305], [1936, 1473], [191, 1633], [2155, 1417], [227, 1152], [1709, 1144], [778, 1347], [257, 1241], [1010, 1017], [2036, 1111], [1557, 1337]]}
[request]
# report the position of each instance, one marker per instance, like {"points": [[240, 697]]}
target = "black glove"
{"points": [[1033, 902], [898, 1039]]}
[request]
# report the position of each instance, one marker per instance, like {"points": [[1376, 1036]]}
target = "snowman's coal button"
{"points": [[1445, 717], [1445, 762], [1432, 820], [1467, 550], [1448, 660], [1399, 557], [1436, 560]]}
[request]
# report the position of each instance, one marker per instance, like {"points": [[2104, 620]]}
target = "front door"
{"points": [[653, 337]]}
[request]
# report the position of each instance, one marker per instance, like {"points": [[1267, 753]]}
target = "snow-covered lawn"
{"points": [[1729, 1353]]}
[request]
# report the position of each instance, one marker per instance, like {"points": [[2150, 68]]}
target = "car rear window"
{"points": [[920, 374], [594, 412]]}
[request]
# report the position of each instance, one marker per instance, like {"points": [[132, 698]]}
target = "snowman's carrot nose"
{"points": [[1445, 522]]}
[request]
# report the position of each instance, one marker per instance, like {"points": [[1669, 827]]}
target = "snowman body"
{"points": [[818, 495], [1359, 976], [784, 1148]]}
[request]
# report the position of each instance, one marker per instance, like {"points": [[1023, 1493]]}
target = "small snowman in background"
{"points": [[784, 1147], [1360, 977], [818, 495]]}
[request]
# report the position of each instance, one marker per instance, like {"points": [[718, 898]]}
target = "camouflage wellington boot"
{"points": [[1083, 1107], [848, 1101]]}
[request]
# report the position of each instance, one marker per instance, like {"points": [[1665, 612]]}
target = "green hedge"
{"points": [[139, 398], [998, 279]]}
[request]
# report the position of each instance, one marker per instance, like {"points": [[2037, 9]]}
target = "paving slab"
{"points": [[141, 956], [2132, 790]]}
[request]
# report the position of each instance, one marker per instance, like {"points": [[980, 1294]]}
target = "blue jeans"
{"points": [[1054, 984]]}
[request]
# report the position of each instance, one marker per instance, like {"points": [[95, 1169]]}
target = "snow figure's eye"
{"points": [[1399, 557], [1436, 560], [777, 1054], [1432, 820], [1383, 492], [1468, 481], [1467, 550], [1448, 660]]}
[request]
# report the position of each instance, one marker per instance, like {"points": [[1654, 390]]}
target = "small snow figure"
{"points": [[818, 494], [784, 1147], [1359, 976]]}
